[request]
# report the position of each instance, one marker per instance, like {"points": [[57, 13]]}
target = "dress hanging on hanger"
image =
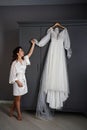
{"points": [[54, 87]]}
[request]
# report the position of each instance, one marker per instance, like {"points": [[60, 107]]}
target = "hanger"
{"points": [[58, 25]]}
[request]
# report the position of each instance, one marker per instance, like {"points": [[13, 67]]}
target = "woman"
{"points": [[17, 77]]}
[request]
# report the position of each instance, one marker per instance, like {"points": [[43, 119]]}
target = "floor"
{"points": [[61, 121]]}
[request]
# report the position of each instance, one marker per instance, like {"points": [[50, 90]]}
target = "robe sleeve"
{"points": [[67, 44], [27, 60], [45, 39], [13, 74]]}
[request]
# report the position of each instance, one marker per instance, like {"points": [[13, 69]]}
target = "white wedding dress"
{"points": [[54, 87]]}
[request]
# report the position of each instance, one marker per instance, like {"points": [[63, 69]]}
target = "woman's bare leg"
{"points": [[17, 103], [12, 108]]}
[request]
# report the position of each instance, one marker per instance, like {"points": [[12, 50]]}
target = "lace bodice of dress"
{"points": [[55, 33]]}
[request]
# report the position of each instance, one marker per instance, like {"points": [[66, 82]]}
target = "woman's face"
{"points": [[20, 53]]}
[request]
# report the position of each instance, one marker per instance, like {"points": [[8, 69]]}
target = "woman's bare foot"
{"points": [[19, 118]]}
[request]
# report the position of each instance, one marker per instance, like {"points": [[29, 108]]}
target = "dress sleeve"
{"points": [[45, 39], [13, 74], [27, 60], [67, 43]]}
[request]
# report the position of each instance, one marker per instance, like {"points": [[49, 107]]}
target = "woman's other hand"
{"points": [[19, 83]]}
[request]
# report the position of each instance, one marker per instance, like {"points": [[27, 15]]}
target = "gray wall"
{"points": [[9, 38], [40, 2], [8, 41]]}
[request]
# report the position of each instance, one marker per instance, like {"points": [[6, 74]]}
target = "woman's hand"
{"points": [[19, 83], [33, 41]]}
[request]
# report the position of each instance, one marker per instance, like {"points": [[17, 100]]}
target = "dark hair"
{"points": [[15, 51]]}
